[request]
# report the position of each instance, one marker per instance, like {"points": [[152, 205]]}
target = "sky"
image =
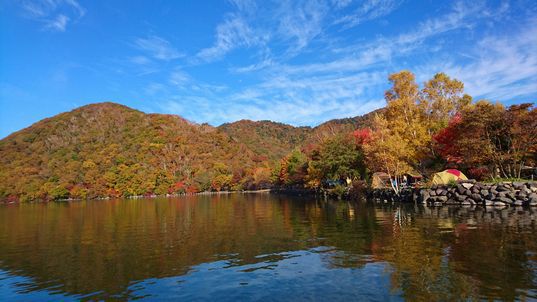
{"points": [[297, 62]]}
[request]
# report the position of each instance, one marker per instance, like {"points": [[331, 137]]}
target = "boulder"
{"points": [[460, 189], [518, 185], [467, 185], [477, 197], [502, 188], [504, 200], [471, 201], [442, 198], [460, 197], [521, 194]]}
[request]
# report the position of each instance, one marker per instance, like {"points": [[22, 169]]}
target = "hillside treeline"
{"points": [[109, 150]]}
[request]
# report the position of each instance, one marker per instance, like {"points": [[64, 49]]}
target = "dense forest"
{"points": [[109, 150]]}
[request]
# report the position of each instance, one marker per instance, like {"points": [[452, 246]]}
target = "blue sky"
{"points": [[298, 62]]}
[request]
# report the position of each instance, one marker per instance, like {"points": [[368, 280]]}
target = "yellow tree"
{"points": [[441, 98], [406, 118], [388, 151]]}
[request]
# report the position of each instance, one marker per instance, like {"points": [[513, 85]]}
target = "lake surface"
{"points": [[264, 247]]}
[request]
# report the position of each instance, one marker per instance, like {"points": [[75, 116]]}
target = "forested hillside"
{"points": [[268, 140], [109, 150]]}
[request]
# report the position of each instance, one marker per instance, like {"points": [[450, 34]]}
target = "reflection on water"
{"points": [[264, 247]]}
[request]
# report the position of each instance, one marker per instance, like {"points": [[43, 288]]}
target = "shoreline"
{"points": [[465, 193]]}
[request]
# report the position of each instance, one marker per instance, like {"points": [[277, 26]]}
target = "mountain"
{"points": [[265, 138], [340, 126], [107, 149]]}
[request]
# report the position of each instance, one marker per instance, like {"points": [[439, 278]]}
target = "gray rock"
{"points": [[518, 185], [484, 192], [502, 194], [518, 203], [437, 204], [505, 200], [477, 197], [467, 185], [466, 203], [502, 188], [488, 202], [498, 203], [442, 198]]}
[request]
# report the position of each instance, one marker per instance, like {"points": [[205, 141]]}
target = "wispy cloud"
{"points": [[345, 78], [54, 14], [59, 23], [352, 80], [158, 48], [179, 78], [234, 32], [302, 22], [503, 66], [382, 50], [140, 60], [368, 10]]}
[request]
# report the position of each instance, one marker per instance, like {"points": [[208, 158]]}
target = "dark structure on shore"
{"points": [[467, 192]]}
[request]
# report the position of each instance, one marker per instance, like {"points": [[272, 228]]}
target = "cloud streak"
{"points": [[158, 48], [55, 15], [369, 10], [301, 75]]}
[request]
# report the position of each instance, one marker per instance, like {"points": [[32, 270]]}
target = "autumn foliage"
{"points": [[109, 150]]}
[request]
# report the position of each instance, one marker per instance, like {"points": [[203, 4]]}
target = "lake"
{"points": [[264, 247]]}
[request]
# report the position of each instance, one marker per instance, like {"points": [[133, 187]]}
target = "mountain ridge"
{"points": [[109, 149]]}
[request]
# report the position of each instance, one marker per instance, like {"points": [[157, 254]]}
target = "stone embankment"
{"points": [[468, 193]]}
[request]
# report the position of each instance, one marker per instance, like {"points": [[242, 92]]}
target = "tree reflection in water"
{"points": [[99, 249]]}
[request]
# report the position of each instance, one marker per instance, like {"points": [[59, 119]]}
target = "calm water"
{"points": [[264, 247]]}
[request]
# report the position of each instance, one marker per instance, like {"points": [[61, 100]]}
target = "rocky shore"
{"points": [[467, 193]]}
